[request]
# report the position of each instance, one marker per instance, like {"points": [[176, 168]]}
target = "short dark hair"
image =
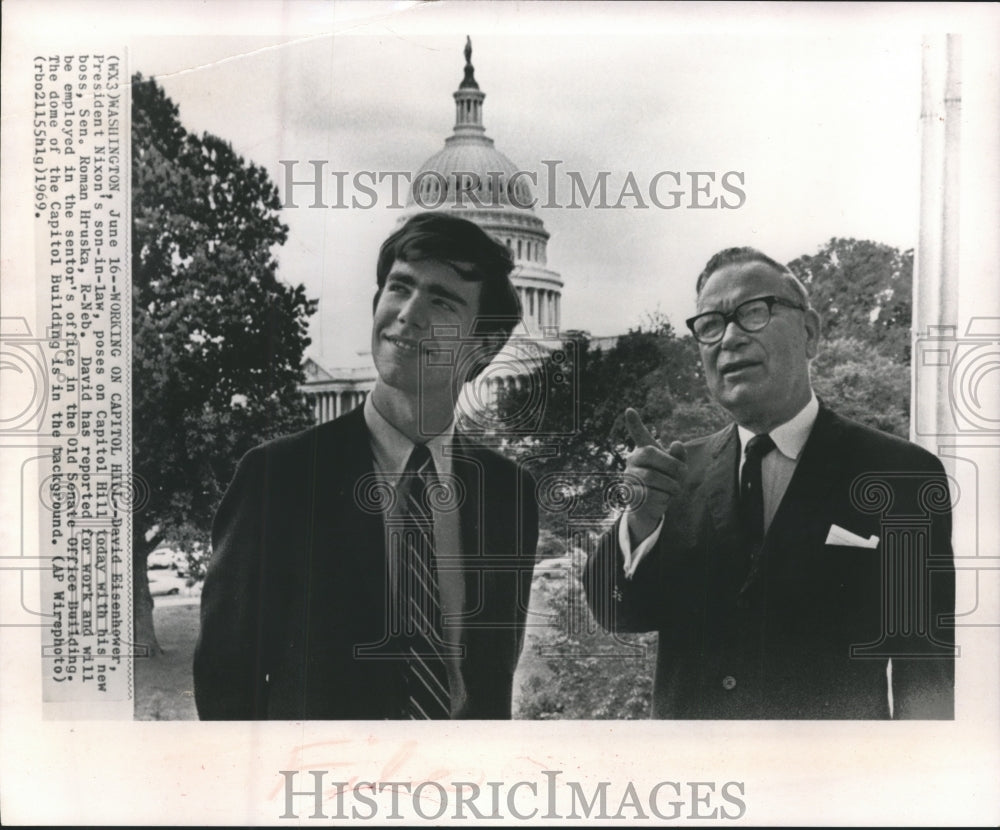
{"points": [[473, 254], [741, 256]]}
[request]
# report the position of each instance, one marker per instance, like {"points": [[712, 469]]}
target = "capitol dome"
{"points": [[471, 178], [445, 180]]}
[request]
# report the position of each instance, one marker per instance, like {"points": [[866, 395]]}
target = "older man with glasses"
{"points": [[796, 564]]}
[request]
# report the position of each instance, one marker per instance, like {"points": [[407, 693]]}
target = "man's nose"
{"points": [[732, 335], [414, 310]]}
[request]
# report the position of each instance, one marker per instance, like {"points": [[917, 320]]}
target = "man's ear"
{"points": [[378, 293], [814, 328]]}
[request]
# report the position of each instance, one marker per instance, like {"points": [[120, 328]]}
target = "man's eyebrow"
{"points": [[439, 291], [406, 279], [719, 309], [433, 288]]}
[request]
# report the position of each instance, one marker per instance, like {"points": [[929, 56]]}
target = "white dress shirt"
{"points": [[777, 468]]}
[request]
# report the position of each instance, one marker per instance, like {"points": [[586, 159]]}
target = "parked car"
{"points": [[167, 558], [165, 569], [165, 583]]}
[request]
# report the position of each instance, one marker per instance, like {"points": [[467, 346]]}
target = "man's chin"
{"points": [[738, 389], [440, 383], [742, 400], [423, 386]]}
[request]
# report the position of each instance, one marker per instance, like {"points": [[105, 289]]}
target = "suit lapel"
{"points": [[348, 510], [804, 509], [720, 481], [728, 558]]}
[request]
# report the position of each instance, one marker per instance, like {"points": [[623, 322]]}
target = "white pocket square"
{"points": [[839, 536]]}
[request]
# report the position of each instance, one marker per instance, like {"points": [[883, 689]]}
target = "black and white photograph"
{"points": [[616, 386]]}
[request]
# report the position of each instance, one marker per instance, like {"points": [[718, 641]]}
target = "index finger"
{"points": [[637, 430]]}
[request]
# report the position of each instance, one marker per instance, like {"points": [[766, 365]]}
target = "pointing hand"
{"points": [[660, 471]]}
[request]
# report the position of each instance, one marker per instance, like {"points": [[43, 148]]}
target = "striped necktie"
{"points": [[428, 693]]}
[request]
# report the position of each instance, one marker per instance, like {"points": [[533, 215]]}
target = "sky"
{"points": [[815, 116]]}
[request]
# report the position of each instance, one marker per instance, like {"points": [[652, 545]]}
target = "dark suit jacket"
{"points": [[298, 580], [807, 634]]}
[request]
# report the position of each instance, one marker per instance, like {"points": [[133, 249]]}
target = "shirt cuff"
{"points": [[631, 558]]}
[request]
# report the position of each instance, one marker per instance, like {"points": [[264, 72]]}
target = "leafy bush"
{"points": [[856, 380], [571, 668]]}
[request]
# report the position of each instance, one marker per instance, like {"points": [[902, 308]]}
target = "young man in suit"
{"points": [[795, 564], [379, 565]]}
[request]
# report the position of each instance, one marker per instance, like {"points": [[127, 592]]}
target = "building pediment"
{"points": [[314, 372]]}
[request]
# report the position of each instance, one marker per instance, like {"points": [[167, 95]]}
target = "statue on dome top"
{"points": [[469, 81]]}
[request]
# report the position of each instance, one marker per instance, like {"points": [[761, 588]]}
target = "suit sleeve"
{"points": [[619, 603], [229, 677], [923, 686]]}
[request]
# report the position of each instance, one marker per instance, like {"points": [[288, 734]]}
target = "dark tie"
{"points": [[752, 494], [426, 671]]}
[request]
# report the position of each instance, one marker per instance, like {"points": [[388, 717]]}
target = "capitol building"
{"points": [[471, 178]]}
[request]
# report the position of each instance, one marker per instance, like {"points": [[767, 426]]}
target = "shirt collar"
{"points": [[392, 449], [791, 436]]}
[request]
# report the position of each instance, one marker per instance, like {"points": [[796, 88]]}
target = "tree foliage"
{"points": [[573, 669], [862, 290], [647, 368], [858, 381], [217, 338]]}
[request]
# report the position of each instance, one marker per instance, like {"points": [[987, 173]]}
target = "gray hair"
{"points": [[742, 256]]}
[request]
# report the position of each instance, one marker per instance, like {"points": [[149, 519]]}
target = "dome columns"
{"points": [[540, 307]]}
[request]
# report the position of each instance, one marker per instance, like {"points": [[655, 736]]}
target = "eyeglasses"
{"points": [[751, 316]]}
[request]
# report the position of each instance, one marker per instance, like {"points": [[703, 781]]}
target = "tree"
{"points": [[862, 290], [217, 339], [856, 380]]}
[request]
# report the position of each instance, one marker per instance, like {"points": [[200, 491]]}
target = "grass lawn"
{"points": [[164, 689]]}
